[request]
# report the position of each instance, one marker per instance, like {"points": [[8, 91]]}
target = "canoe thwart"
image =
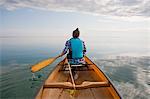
{"points": [[58, 85], [84, 85], [89, 84], [78, 65], [66, 69]]}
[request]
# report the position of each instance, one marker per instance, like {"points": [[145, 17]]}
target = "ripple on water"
{"points": [[15, 83]]}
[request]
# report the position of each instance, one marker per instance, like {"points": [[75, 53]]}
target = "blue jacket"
{"points": [[77, 48]]}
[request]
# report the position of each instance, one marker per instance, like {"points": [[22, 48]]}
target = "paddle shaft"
{"points": [[71, 74]]}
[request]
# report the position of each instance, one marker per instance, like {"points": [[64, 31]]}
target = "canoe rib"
{"points": [[84, 85]]}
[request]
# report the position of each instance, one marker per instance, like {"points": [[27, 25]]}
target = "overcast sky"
{"points": [[28, 16], [114, 21]]}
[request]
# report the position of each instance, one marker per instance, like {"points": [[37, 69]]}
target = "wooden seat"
{"points": [[84, 85], [78, 67], [78, 64]]}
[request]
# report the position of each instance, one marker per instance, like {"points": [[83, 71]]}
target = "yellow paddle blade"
{"points": [[42, 64]]}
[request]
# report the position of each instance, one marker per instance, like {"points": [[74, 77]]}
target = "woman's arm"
{"points": [[65, 49]]}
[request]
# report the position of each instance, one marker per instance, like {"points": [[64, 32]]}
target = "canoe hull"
{"points": [[92, 83]]}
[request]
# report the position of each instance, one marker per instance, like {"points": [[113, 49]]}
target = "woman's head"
{"points": [[76, 33]]}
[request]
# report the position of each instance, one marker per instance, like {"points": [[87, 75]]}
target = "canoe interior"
{"points": [[92, 74]]}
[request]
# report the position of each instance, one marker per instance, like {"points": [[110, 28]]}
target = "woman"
{"points": [[77, 49]]}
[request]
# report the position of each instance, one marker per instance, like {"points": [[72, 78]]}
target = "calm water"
{"points": [[130, 75]]}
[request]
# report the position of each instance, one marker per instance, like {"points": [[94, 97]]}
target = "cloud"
{"points": [[97, 7]]}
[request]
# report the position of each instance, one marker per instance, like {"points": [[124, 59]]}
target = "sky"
{"points": [[102, 23]]}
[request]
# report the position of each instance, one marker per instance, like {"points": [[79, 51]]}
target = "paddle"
{"points": [[72, 92], [43, 64], [70, 74]]}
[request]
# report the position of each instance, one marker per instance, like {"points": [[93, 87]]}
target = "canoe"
{"points": [[91, 83]]}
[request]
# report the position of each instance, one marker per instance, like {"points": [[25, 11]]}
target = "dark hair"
{"points": [[76, 33]]}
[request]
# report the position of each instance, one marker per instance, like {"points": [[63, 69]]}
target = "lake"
{"points": [[130, 72]]}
